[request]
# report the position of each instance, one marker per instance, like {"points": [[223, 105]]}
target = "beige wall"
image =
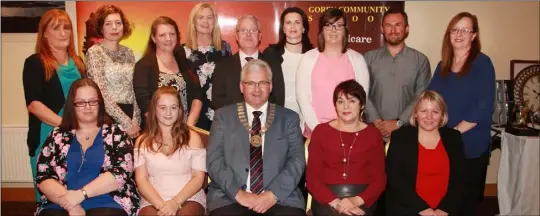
{"points": [[15, 49], [509, 30]]}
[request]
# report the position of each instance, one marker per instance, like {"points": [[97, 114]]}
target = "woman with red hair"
{"points": [[47, 77]]}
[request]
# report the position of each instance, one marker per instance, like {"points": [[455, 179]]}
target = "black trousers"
{"points": [[475, 183], [90, 212], [276, 210]]}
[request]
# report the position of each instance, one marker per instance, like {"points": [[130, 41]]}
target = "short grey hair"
{"points": [[248, 17], [256, 65]]}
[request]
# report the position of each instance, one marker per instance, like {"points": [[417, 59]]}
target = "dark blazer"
{"points": [[226, 83], [274, 56], [146, 78], [402, 168], [227, 158], [36, 88]]}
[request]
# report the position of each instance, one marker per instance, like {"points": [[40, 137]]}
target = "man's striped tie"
{"points": [[256, 159]]}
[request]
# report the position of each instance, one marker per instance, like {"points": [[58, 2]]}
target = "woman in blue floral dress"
{"points": [[204, 48]]}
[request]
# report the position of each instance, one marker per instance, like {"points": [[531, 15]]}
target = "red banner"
{"points": [[364, 20]]}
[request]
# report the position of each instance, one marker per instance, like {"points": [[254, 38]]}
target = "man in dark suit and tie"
{"points": [[255, 156], [226, 77]]}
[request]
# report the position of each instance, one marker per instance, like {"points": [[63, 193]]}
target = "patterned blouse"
{"points": [[177, 81], [113, 73], [204, 61], [52, 164]]}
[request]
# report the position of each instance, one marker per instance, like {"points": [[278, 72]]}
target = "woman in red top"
{"points": [[345, 172], [425, 164]]}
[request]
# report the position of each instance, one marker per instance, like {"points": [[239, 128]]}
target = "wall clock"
{"points": [[527, 84]]}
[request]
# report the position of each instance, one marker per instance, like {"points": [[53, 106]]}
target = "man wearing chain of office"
{"points": [[255, 156]]}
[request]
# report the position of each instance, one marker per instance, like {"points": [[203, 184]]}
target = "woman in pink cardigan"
{"points": [[323, 68]]}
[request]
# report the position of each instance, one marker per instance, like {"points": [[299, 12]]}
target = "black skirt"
{"points": [[341, 191]]}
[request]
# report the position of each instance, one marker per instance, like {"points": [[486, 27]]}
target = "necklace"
{"points": [[256, 140], [294, 43], [346, 156], [82, 159]]}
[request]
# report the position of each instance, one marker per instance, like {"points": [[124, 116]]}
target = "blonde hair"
{"points": [[433, 97], [191, 42]]}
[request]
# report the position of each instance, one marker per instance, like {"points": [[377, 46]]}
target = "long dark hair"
{"points": [[162, 20], [447, 50], [69, 120], [152, 132], [306, 43]]}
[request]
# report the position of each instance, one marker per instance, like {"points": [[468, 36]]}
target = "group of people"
{"points": [[113, 136]]}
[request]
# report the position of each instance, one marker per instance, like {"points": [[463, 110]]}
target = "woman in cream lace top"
{"points": [[111, 66]]}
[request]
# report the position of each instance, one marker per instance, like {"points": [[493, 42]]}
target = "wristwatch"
{"points": [[399, 123], [84, 194], [275, 197]]}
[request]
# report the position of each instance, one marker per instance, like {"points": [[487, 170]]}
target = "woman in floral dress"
{"points": [[85, 166], [205, 48]]}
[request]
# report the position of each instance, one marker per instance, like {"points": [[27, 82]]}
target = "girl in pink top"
{"points": [[322, 69], [170, 161]]}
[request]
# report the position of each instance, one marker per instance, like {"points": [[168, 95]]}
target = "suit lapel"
{"points": [[414, 150], [447, 142], [243, 137], [234, 78], [270, 138], [270, 135]]}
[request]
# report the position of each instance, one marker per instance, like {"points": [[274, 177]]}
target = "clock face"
{"points": [[527, 88], [531, 92]]}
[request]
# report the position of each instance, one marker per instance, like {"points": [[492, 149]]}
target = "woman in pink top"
{"points": [[170, 161], [323, 68]]}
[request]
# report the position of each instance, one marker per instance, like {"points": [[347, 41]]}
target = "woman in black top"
{"points": [[284, 56], [425, 165], [204, 48], [162, 66], [47, 77]]}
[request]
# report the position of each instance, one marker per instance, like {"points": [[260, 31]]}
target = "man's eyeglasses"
{"points": [[463, 31], [83, 103], [251, 84], [245, 31], [336, 26]]}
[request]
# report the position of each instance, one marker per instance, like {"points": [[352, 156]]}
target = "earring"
{"points": [[304, 31]]}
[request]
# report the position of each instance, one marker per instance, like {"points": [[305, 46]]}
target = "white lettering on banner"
{"points": [[358, 39]]}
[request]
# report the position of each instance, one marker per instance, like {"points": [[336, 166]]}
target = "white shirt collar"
{"points": [[263, 109], [243, 57]]}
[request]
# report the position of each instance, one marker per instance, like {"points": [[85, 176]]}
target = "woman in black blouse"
{"points": [[161, 66], [205, 48]]}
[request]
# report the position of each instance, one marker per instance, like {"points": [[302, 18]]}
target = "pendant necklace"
{"points": [[346, 157]]}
